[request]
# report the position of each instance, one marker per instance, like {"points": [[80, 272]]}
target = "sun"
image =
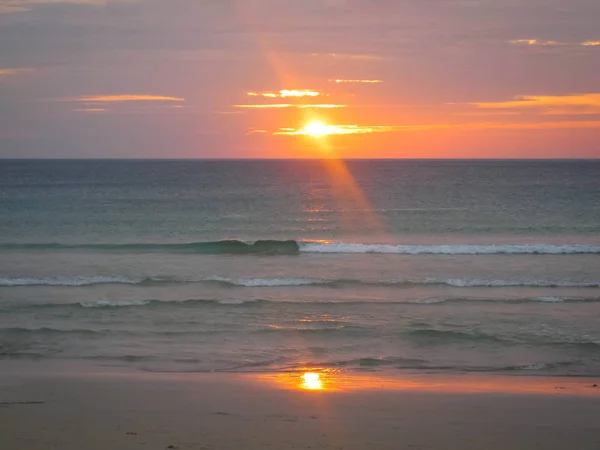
{"points": [[312, 381], [317, 129]]}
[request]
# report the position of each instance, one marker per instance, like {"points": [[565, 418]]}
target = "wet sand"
{"points": [[74, 407]]}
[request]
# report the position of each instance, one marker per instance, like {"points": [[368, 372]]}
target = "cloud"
{"points": [[536, 42], [287, 93], [290, 105], [540, 125], [358, 129], [14, 71], [544, 43], [14, 6], [324, 130], [350, 56], [588, 103], [125, 98], [256, 131], [341, 80]]}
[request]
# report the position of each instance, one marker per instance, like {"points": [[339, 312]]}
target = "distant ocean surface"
{"points": [[420, 266]]}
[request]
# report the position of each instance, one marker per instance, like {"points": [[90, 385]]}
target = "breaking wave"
{"points": [[79, 281], [258, 302], [66, 281], [293, 247], [266, 282]]}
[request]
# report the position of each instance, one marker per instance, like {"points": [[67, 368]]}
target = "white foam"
{"points": [[547, 249], [258, 282], [114, 303], [65, 281], [465, 282], [550, 299], [237, 302], [429, 301]]}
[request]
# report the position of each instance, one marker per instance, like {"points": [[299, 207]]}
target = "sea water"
{"points": [[427, 266]]}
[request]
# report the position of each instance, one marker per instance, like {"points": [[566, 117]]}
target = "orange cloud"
{"points": [[14, 71], [127, 98], [541, 125], [550, 43], [588, 103], [287, 93], [318, 130], [535, 42], [290, 105]]}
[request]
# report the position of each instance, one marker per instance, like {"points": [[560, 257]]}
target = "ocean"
{"points": [[284, 265]]}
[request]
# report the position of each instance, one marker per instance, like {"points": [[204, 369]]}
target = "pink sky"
{"points": [[244, 78]]}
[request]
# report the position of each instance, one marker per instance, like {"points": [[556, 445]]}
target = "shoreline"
{"points": [[96, 408], [327, 380]]}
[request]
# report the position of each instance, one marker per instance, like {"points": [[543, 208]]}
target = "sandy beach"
{"points": [[74, 407]]}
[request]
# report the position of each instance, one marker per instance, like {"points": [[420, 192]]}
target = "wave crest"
{"points": [[79, 281], [294, 247], [67, 281]]}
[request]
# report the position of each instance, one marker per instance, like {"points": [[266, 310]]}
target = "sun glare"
{"points": [[312, 380], [317, 129]]}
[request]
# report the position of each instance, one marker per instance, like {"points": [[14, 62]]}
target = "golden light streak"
{"points": [[541, 101], [295, 93], [127, 98], [318, 129], [290, 105], [284, 93], [346, 190], [322, 130], [590, 43], [275, 105], [535, 42], [356, 81], [90, 109]]}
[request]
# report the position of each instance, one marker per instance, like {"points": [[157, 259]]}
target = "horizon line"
{"points": [[597, 158]]}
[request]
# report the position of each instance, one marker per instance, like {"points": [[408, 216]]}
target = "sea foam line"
{"points": [[67, 281], [293, 247], [532, 249], [258, 302], [82, 281]]}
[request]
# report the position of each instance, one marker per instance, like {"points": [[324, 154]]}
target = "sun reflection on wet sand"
{"points": [[331, 380]]}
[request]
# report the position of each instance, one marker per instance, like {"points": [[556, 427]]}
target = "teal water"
{"points": [[281, 265]]}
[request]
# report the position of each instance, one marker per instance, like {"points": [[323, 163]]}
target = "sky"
{"points": [[294, 79]]}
